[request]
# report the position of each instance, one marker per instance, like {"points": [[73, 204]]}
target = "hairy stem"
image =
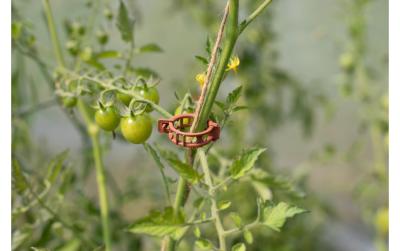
{"points": [[214, 208], [204, 107], [93, 131], [53, 33], [253, 15]]}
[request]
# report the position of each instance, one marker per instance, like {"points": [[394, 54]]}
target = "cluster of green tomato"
{"points": [[135, 128]]}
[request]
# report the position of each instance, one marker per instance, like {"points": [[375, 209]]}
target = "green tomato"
{"points": [[69, 102], [136, 129], [149, 93], [347, 61], [107, 118], [72, 47], [124, 98]]}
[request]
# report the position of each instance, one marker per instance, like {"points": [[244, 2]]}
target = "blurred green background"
{"points": [[297, 87]]}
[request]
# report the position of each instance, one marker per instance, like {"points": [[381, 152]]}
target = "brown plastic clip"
{"points": [[178, 128]]}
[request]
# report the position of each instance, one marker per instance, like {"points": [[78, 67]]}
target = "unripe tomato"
{"points": [[107, 118], [69, 102], [124, 98], [136, 129], [77, 28], [149, 93], [347, 61], [72, 47], [382, 221], [108, 13]]}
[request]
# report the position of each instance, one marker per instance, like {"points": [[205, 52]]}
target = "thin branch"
{"points": [[253, 15]]}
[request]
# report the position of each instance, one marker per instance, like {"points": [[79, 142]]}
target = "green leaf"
{"points": [[125, 23], [159, 224], [202, 59], [150, 48], [263, 182], [239, 247], [16, 30], [18, 178], [245, 162], [234, 96], [236, 219], [239, 108], [275, 216], [183, 169], [144, 72], [222, 205], [248, 236], [262, 190], [108, 54], [220, 105], [71, 245], [54, 168], [208, 45], [204, 244]]}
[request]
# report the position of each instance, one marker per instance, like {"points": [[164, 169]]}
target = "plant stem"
{"points": [[214, 208], [53, 33], [93, 131], [230, 40], [204, 108], [253, 15]]}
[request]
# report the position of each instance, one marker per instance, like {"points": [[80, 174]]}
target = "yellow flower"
{"points": [[233, 64], [201, 78]]}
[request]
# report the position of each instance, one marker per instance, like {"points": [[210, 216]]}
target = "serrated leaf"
{"points": [[18, 178], [262, 190], [108, 54], [275, 216], [245, 162], [233, 96], [220, 105], [54, 168], [222, 205], [262, 181], [237, 220], [248, 236], [203, 244], [202, 59], [125, 23], [159, 224], [183, 169], [239, 247], [150, 48]]}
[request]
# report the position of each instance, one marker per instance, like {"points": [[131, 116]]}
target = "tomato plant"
{"points": [[229, 194]]}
